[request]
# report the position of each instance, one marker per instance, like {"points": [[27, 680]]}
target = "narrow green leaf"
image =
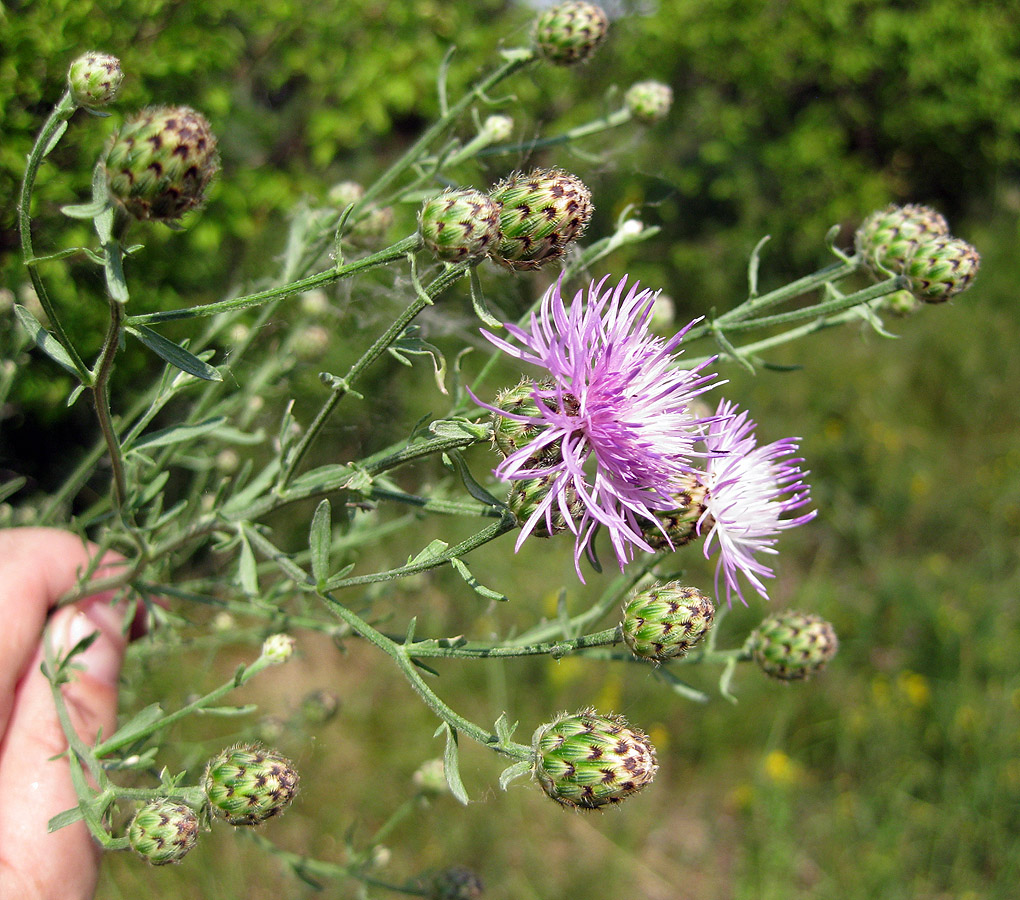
{"points": [[43, 339], [473, 487], [74, 395], [12, 487], [411, 626], [319, 540], [113, 266], [85, 210], [513, 772], [474, 583], [140, 725], [178, 433], [679, 686], [103, 220], [62, 820], [504, 730], [55, 139], [173, 353], [433, 551], [451, 766], [247, 570], [337, 579], [478, 302], [227, 712]]}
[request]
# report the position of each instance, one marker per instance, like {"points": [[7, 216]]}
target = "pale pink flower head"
{"points": [[749, 491], [615, 429]]}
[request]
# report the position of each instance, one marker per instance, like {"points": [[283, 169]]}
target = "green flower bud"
{"points": [[94, 79], [508, 435], [665, 621], [540, 214], [455, 883], [345, 193], [278, 648], [163, 831], [901, 303], [792, 645], [526, 496], [498, 128], [459, 225], [161, 161], [319, 707], [887, 238], [570, 33], [589, 760], [430, 778], [648, 101], [248, 784], [680, 524], [941, 268]]}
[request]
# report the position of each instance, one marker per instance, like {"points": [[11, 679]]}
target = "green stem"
{"points": [[50, 131], [101, 395], [242, 676], [597, 126], [826, 307], [514, 62], [342, 386], [406, 665], [439, 649], [756, 305], [397, 251]]}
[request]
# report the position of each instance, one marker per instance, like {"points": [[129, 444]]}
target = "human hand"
{"points": [[37, 566]]}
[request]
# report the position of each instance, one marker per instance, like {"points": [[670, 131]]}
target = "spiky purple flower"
{"points": [[750, 489], [615, 428]]}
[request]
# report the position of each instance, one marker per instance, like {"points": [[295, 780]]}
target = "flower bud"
{"points": [[792, 645], [498, 128], [901, 303], [941, 268], [161, 161], [526, 496], [345, 193], [455, 883], [570, 33], [540, 214], [459, 225], [248, 784], [163, 831], [648, 101], [94, 79], [680, 524], [509, 435], [278, 648], [665, 621], [430, 778], [589, 760], [319, 707], [887, 238]]}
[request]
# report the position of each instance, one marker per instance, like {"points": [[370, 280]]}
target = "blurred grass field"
{"points": [[896, 773]]}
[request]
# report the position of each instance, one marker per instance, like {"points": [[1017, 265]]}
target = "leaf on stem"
{"points": [[473, 583], [173, 353], [451, 764], [514, 772], [177, 433], [247, 570], [54, 139], [479, 304], [319, 540], [43, 339]]}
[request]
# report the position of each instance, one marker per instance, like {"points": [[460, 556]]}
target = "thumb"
{"points": [[34, 864]]}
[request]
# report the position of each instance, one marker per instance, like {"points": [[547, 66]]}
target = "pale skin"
{"points": [[38, 565]]}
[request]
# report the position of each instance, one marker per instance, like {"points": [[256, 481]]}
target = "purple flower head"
{"points": [[615, 429], [750, 489]]}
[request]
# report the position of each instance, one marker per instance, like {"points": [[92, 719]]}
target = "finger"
{"points": [[33, 785]]}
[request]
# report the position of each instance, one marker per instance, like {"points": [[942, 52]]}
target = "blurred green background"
{"points": [[897, 772]]}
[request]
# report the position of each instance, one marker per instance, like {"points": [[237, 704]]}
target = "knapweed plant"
{"points": [[615, 436]]}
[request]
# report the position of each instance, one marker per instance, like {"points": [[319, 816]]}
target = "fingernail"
{"points": [[101, 660]]}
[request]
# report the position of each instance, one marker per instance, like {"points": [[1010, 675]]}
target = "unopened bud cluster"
{"points": [[160, 163], [525, 221], [648, 101], [914, 241], [570, 33], [455, 883], [665, 621], [94, 79], [248, 784], [589, 760], [792, 646], [163, 831]]}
